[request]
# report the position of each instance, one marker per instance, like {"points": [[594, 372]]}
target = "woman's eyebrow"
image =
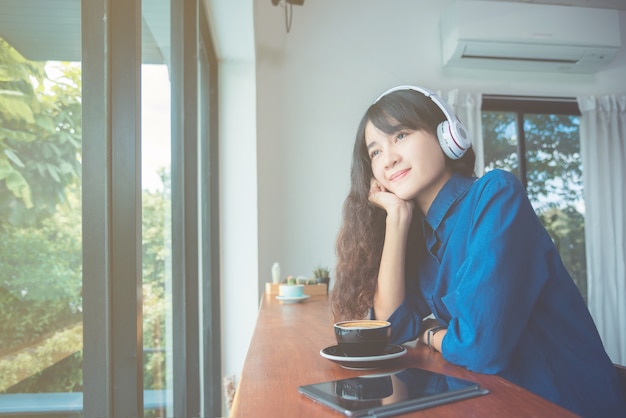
{"points": [[371, 145]]}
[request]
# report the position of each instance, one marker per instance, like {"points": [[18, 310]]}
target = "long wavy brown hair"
{"points": [[361, 236]]}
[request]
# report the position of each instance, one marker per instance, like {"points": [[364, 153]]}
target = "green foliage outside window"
{"points": [[40, 231], [40, 138], [40, 216], [553, 171]]}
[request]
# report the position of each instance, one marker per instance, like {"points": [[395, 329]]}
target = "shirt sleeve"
{"points": [[505, 268], [406, 320]]}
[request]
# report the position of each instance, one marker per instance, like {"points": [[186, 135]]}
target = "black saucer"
{"points": [[336, 354]]}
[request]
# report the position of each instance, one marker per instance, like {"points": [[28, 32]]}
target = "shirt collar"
{"points": [[454, 188]]}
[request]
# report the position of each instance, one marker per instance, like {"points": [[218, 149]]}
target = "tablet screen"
{"points": [[391, 394]]}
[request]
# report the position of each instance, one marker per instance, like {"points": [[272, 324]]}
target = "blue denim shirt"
{"points": [[487, 269]]}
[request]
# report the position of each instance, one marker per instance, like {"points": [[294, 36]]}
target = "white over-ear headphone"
{"points": [[452, 135]]}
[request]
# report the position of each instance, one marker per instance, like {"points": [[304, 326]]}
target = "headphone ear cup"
{"points": [[445, 139], [453, 145]]}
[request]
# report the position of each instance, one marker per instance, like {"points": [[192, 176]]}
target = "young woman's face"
{"points": [[409, 164]]}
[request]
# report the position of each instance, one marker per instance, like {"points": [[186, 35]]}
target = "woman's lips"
{"points": [[399, 174]]}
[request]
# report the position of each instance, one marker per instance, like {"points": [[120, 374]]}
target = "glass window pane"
{"points": [[555, 185], [156, 207], [553, 175], [40, 225], [500, 141]]}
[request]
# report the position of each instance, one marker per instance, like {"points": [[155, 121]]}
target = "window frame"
{"points": [[112, 283], [521, 105], [210, 220], [111, 140]]}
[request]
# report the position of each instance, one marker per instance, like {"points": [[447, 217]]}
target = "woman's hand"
{"points": [[390, 285], [392, 204]]}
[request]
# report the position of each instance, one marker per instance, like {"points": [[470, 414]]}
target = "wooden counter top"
{"points": [[285, 353]]}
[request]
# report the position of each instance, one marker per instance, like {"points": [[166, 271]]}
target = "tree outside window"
{"points": [[542, 147], [41, 233]]}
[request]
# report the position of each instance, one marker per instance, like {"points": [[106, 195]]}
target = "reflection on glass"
{"points": [[376, 390], [40, 228]]}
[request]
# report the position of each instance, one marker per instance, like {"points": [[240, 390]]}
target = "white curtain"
{"points": [[603, 149], [467, 106]]}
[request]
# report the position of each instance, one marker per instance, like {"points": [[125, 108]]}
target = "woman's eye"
{"points": [[400, 136], [374, 153]]}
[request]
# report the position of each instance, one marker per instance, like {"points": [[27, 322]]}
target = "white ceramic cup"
{"points": [[291, 290]]}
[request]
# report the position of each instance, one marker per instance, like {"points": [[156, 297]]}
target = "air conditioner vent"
{"points": [[529, 37]]}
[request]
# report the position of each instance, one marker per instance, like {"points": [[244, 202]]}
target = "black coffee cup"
{"points": [[362, 338]]}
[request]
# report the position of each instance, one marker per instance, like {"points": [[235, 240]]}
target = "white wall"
{"points": [[232, 31], [238, 213]]}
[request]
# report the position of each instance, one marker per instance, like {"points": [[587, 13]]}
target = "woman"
{"points": [[421, 235]]}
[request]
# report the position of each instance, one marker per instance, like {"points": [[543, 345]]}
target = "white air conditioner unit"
{"points": [[528, 37]]}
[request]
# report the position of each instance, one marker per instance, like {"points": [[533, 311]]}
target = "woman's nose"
{"points": [[391, 158]]}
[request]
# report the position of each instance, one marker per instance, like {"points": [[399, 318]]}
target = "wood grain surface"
{"points": [[285, 353]]}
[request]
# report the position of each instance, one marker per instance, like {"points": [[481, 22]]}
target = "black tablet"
{"points": [[385, 395]]}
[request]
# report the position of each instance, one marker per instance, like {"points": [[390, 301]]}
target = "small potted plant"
{"points": [[321, 274]]}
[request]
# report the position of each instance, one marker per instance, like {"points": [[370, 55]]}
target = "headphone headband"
{"points": [[447, 112], [422, 90], [452, 135]]}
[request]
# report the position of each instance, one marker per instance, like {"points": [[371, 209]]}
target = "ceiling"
{"points": [[50, 29], [44, 30]]}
